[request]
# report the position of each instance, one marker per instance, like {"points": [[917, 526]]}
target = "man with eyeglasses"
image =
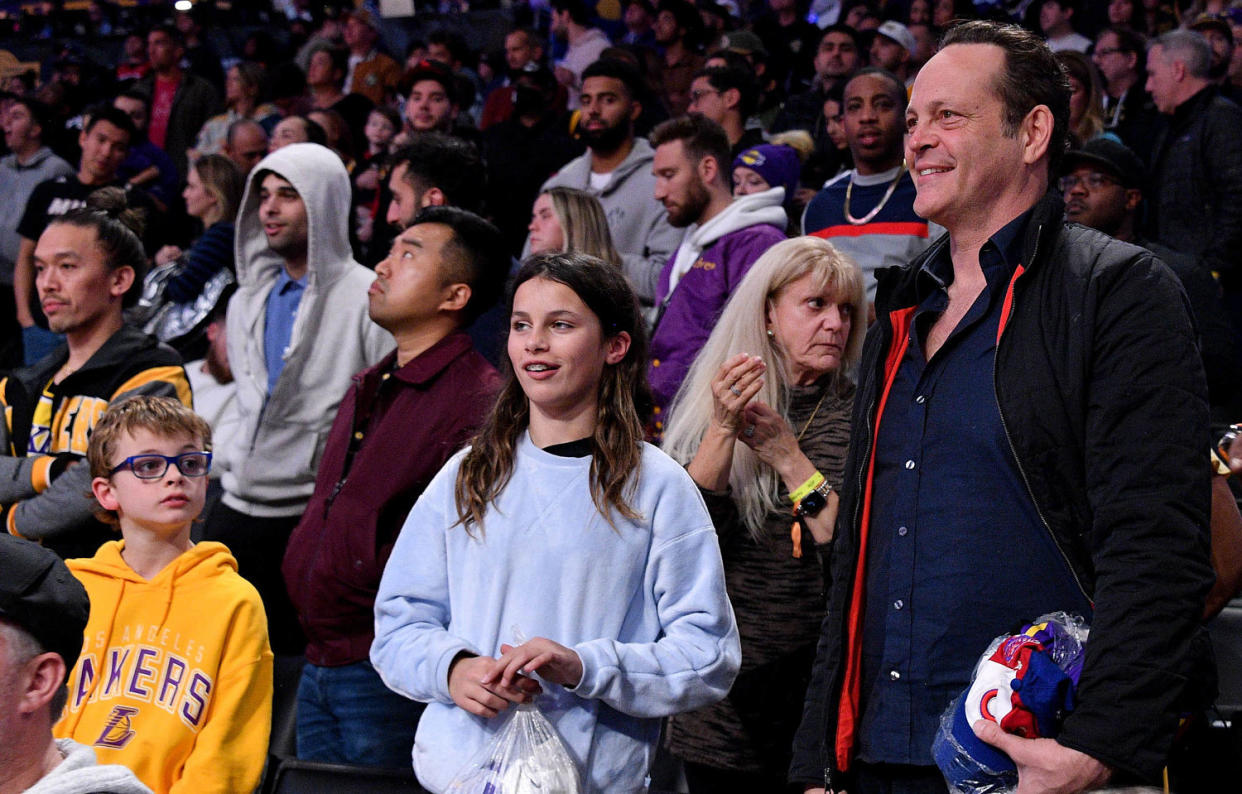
{"points": [[1102, 185], [728, 95], [1128, 109]]}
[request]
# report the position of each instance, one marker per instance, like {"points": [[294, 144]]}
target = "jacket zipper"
{"points": [[1013, 450]]}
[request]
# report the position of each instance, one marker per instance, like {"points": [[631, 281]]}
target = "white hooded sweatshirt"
{"points": [[270, 462]]}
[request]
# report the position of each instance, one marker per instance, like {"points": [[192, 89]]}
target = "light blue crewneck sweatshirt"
{"points": [[644, 606]]}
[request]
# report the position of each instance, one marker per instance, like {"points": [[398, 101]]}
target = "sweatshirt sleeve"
{"points": [[231, 748], [698, 654], [20, 477], [413, 648], [65, 504], [643, 269]]}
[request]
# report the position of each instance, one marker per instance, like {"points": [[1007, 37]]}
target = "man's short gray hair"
{"points": [[1186, 46]]}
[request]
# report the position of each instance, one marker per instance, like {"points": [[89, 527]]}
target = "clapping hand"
{"points": [[736, 384]]}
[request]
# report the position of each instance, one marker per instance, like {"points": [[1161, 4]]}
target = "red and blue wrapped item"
{"points": [[1025, 683]]}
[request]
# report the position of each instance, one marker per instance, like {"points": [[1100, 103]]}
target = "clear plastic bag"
{"points": [[524, 757], [1026, 683]]}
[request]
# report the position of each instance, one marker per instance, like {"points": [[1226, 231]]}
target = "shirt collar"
{"points": [[1000, 255], [285, 283], [424, 367]]}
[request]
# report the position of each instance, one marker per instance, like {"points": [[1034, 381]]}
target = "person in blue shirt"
{"points": [[560, 554], [1028, 438]]}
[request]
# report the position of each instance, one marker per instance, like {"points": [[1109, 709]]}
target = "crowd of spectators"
{"points": [[305, 221]]}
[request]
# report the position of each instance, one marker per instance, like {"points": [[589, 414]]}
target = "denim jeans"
{"points": [[347, 716]]}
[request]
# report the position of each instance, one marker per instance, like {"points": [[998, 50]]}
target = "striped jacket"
{"points": [[42, 496]]}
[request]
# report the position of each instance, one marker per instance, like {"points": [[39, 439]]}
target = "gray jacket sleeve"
{"points": [[67, 503], [643, 270]]}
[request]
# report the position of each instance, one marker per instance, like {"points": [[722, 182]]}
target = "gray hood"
{"points": [[80, 774], [320, 178]]}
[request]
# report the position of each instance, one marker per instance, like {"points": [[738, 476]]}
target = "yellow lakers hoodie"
{"points": [[175, 677]]}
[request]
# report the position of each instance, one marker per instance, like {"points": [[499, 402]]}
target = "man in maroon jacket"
{"points": [[398, 424]]}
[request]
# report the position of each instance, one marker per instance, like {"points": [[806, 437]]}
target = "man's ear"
{"points": [[1036, 134], [121, 280], [41, 679], [709, 170], [636, 109], [732, 97], [1134, 197], [432, 197], [456, 297]]}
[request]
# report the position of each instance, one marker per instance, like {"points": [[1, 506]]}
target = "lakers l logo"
{"points": [[119, 729]]}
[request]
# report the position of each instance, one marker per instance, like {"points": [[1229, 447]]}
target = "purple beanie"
{"points": [[777, 164]]}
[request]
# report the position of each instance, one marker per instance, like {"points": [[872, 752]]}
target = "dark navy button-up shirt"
{"points": [[958, 553]]}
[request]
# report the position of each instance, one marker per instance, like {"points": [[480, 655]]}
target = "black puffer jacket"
{"points": [[1102, 397], [1196, 196]]}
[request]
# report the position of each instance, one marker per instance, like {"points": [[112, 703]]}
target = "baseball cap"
{"points": [[38, 593], [1217, 22], [744, 42], [11, 67], [891, 29], [1115, 158], [434, 70]]}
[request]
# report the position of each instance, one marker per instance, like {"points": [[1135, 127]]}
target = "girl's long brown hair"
{"points": [[624, 397]]}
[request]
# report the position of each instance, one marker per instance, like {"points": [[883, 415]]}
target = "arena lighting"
{"points": [[182, 5]]}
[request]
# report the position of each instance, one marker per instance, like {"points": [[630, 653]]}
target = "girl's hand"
{"points": [[551, 660], [736, 384], [473, 690]]}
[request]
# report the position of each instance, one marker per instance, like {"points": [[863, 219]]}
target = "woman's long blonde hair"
{"points": [[584, 225], [742, 328]]}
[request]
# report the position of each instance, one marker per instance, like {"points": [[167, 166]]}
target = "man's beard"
{"points": [[691, 210], [608, 139]]}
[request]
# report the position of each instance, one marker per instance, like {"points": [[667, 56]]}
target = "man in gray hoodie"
{"points": [[43, 612], [616, 169], [298, 330]]}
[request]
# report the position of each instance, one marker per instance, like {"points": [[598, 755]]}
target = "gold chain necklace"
{"points": [[849, 191], [813, 413]]}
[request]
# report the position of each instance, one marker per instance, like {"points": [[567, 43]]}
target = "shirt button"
{"points": [[386, 376], [358, 435], [898, 604], [920, 399], [894, 675], [655, 409], [655, 362], [909, 464], [902, 531]]}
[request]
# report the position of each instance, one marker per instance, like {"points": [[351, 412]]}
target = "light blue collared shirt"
{"points": [[282, 311]]}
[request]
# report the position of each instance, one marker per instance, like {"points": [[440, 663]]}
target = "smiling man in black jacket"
{"points": [[1028, 437]]}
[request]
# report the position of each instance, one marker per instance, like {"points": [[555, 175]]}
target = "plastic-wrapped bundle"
{"points": [[1024, 682], [525, 757]]}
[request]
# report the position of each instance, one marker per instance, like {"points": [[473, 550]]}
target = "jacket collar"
{"points": [[118, 350], [897, 285]]}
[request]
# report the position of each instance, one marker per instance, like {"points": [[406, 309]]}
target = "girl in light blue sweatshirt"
{"points": [[559, 524]]}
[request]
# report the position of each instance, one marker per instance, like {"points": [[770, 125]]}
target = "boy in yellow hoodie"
{"points": [[175, 677]]}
